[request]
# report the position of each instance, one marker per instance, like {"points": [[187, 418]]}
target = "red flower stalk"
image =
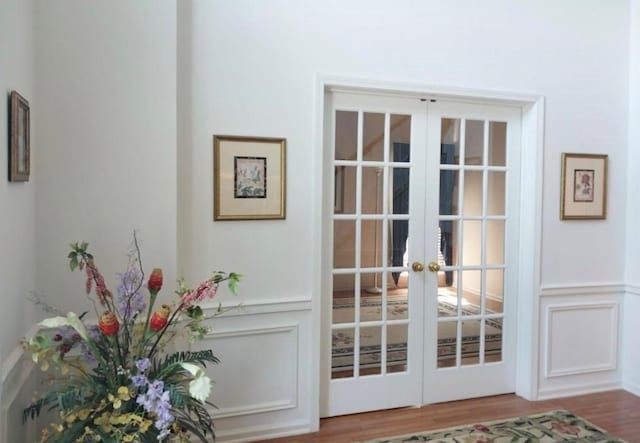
{"points": [[159, 318], [108, 324], [155, 281]]}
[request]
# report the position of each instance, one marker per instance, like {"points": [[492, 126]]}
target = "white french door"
{"points": [[421, 258]]}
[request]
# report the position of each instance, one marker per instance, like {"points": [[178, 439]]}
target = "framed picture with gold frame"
{"points": [[19, 138], [584, 187], [249, 178]]}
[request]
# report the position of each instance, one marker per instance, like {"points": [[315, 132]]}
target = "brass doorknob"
{"points": [[417, 266], [434, 267]]}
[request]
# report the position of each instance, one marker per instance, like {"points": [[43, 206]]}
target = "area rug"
{"points": [[548, 427], [370, 349]]}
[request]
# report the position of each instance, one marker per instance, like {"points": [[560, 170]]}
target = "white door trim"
{"points": [[532, 106]]}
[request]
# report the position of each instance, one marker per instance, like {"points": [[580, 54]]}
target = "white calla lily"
{"points": [[70, 320], [200, 386]]}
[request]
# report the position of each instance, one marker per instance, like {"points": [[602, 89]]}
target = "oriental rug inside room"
{"points": [[548, 427], [370, 348]]}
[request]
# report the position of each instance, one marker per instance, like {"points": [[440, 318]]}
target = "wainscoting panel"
{"points": [[261, 386], [580, 340], [18, 383], [631, 340]]}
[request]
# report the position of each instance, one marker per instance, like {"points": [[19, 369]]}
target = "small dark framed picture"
{"points": [[249, 178], [584, 187], [19, 139]]}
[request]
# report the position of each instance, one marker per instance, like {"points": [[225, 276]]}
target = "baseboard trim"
{"points": [[633, 388], [570, 391], [255, 433]]}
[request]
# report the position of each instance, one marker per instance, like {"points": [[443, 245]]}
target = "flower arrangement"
{"points": [[121, 384]]}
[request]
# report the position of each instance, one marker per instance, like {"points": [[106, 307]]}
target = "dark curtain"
{"points": [[447, 183], [400, 196]]}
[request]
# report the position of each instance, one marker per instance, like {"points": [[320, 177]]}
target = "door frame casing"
{"points": [[529, 264]]}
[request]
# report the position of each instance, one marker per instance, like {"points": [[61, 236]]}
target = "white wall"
{"points": [[253, 71], [631, 334], [579, 64], [108, 162], [17, 200], [107, 166]]}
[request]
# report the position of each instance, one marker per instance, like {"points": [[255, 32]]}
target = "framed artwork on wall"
{"points": [[584, 187], [249, 178], [19, 138]]}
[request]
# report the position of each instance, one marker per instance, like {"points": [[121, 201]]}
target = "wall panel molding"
{"points": [[266, 306], [633, 289], [288, 399], [583, 289], [608, 363]]}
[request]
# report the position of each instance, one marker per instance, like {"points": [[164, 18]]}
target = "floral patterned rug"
{"points": [[549, 427]]}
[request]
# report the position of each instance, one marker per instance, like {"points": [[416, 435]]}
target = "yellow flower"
{"points": [[124, 393]]}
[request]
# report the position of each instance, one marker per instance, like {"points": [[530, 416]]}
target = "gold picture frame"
{"points": [[20, 138], [584, 187], [249, 178]]}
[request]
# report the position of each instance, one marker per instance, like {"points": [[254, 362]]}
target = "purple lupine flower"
{"points": [[143, 364], [156, 400], [139, 380], [130, 301]]}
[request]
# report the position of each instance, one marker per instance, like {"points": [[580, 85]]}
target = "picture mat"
{"points": [[582, 209], [229, 206]]}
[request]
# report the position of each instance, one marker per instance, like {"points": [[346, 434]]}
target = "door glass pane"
{"points": [[344, 243], [493, 340], [371, 299], [448, 230], [373, 137], [472, 243], [342, 342], [399, 190], [370, 350], [372, 190], [470, 353], [398, 244], [472, 204], [495, 291], [344, 200], [371, 246], [471, 292], [474, 142], [496, 193], [449, 192], [497, 143], [397, 348], [400, 138], [398, 305], [447, 343], [346, 141], [343, 298], [495, 242], [450, 142], [448, 294], [372, 286]]}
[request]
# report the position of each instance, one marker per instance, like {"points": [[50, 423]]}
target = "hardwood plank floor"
{"points": [[618, 412]]}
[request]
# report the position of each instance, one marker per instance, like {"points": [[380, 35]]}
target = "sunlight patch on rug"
{"points": [[548, 427]]}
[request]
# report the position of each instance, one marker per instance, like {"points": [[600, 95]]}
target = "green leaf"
{"points": [[73, 264]]}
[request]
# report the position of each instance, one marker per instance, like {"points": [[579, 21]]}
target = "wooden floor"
{"points": [[618, 412]]}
